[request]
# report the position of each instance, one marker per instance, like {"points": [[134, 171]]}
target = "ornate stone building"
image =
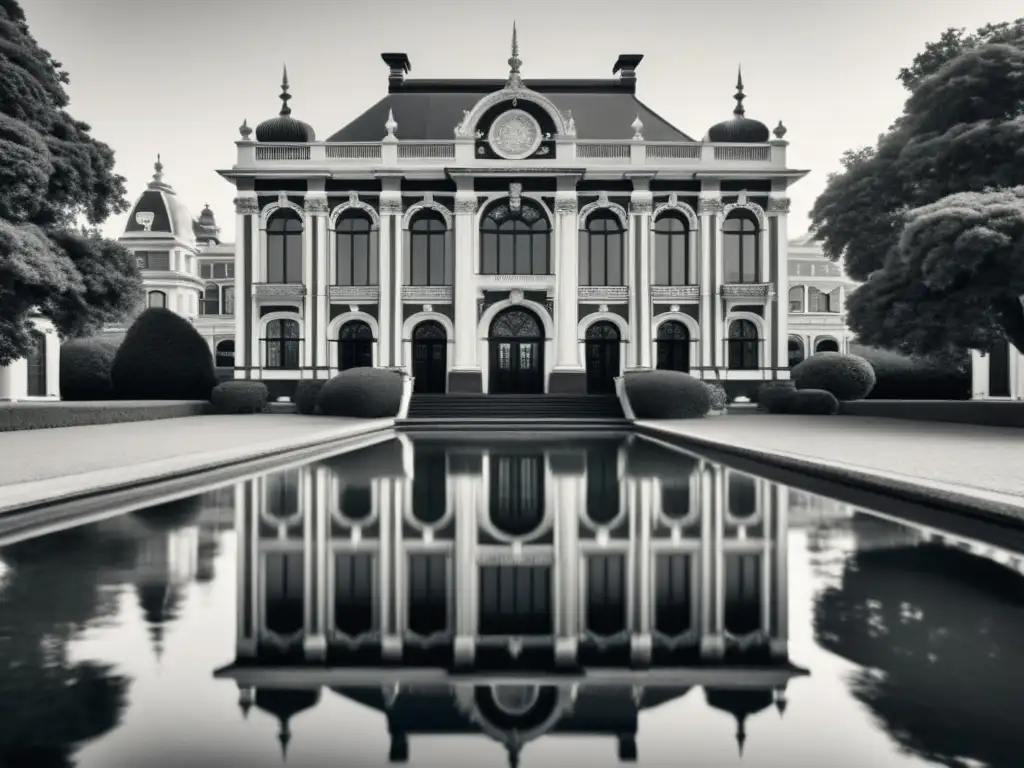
{"points": [[417, 578], [491, 236], [818, 289]]}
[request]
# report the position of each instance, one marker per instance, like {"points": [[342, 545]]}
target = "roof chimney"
{"points": [[626, 64], [399, 65]]}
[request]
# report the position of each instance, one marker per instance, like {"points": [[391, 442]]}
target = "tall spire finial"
{"points": [[285, 109], [159, 168], [739, 111], [741, 734], [514, 62]]}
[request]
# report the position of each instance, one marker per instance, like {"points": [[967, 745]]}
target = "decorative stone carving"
{"points": [[282, 199], [145, 220], [778, 205], [515, 196], [675, 292], [640, 206], [416, 207], [549, 305], [603, 293], [465, 205], [746, 290], [674, 307], [315, 204], [604, 202], [780, 131], [515, 135], [353, 198], [516, 296], [280, 290], [247, 206], [673, 204], [565, 205], [246, 132], [602, 307], [710, 205], [339, 293], [390, 126], [462, 129], [354, 202], [754, 208], [353, 307], [428, 307], [570, 124], [390, 206], [638, 127]]}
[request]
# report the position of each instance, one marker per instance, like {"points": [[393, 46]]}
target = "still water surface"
{"points": [[471, 602]]}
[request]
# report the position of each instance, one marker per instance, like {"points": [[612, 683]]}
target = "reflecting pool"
{"points": [[469, 601]]}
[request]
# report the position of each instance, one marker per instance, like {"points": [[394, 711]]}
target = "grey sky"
{"points": [[178, 77]]}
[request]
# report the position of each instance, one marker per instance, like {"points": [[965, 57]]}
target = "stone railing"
{"points": [[462, 152], [356, 293], [675, 292], [279, 290], [746, 290], [427, 294], [602, 293]]}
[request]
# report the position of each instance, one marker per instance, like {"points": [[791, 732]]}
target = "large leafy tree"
{"points": [[54, 178], [892, 209]]}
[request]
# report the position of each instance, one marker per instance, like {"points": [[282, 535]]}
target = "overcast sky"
{"points": [[178, 77]]}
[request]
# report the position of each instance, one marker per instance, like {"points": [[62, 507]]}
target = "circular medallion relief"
{"points": [[515, 135]]}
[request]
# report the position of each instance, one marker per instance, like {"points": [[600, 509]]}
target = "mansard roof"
{"points": [[429, 110]]}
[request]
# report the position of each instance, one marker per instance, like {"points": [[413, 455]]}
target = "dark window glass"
{"points": [[353, 259], [743, 345], [283, 344], [741, 248], [284, 247], [601, 260], [428, 244], [210, 304], [515, 242], [672, 250]]}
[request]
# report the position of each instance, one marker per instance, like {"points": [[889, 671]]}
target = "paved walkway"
{"points": [[42, 463], [983, 463]]}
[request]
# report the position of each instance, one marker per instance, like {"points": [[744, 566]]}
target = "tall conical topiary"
{"points": [[163, 357]]}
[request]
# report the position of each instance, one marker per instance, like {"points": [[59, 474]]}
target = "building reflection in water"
{"points": [[466, 586]]}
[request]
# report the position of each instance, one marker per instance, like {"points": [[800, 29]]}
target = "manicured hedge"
{"points": [[163, 357], [362, 393], [716, 394], [239, 397], [812, 402], [771, 391], [306, 393], [19, 416], [898, 377], [848, 377], [85, 366], [667, 395]]}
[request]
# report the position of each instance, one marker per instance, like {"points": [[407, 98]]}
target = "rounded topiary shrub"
{"points": [[362, 393], [163, 357], [812, 402], [85, 366], [716, 393], [667, 395], [848, 377], [239, 397], [771, 391], [306, 393]]}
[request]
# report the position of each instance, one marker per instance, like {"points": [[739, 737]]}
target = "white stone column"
{"points": [[390, 211], [713, 643], [465, 282], [566, 282], [315, 521], [312, 203], [246, 209], [642, 641], [323, 296], [570, 490], [467, 605], [710, 209], [778, 210], [641, 308], [779, 642]]}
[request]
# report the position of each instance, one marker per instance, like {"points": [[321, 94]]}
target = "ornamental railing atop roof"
{"points": [[768, 156]]}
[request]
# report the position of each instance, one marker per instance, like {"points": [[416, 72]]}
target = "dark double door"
{"points": [[602, 349], [430, 358], [517, 366]]}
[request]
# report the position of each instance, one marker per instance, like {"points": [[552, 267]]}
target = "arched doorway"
{"points": [[602, 355], [673, 346], [516, 342], [826, 345], [355, 345], [744, 346], [36, 363], [429, 357], [225, 355]]}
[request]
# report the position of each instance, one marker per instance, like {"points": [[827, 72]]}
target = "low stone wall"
{"points": [[50, 415], [988, 413]]}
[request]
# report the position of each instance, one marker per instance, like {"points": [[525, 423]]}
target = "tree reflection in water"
{"points": [[938, 634], [50, 705]]}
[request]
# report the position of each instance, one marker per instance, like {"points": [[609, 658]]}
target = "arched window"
{"points": [[743, 345], [225, 355], [355, 345], [36, 363], [796, 351], [283, 344], [354, 260], [228, 307], [819, 301], [210, 304], [601, 250], [796, 298], [672, 263], [284, 247], [428, 245], [157, 299], [826, 345], [741, 247], [673, 346], [515, 242]]}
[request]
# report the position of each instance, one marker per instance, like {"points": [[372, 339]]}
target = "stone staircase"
{"points": [[484, 412]]}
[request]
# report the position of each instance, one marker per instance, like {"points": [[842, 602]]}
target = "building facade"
{"points": [[491, 236], [818, 289]]}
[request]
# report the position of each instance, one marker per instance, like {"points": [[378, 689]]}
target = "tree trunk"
{"points": [[1010, 313]]}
